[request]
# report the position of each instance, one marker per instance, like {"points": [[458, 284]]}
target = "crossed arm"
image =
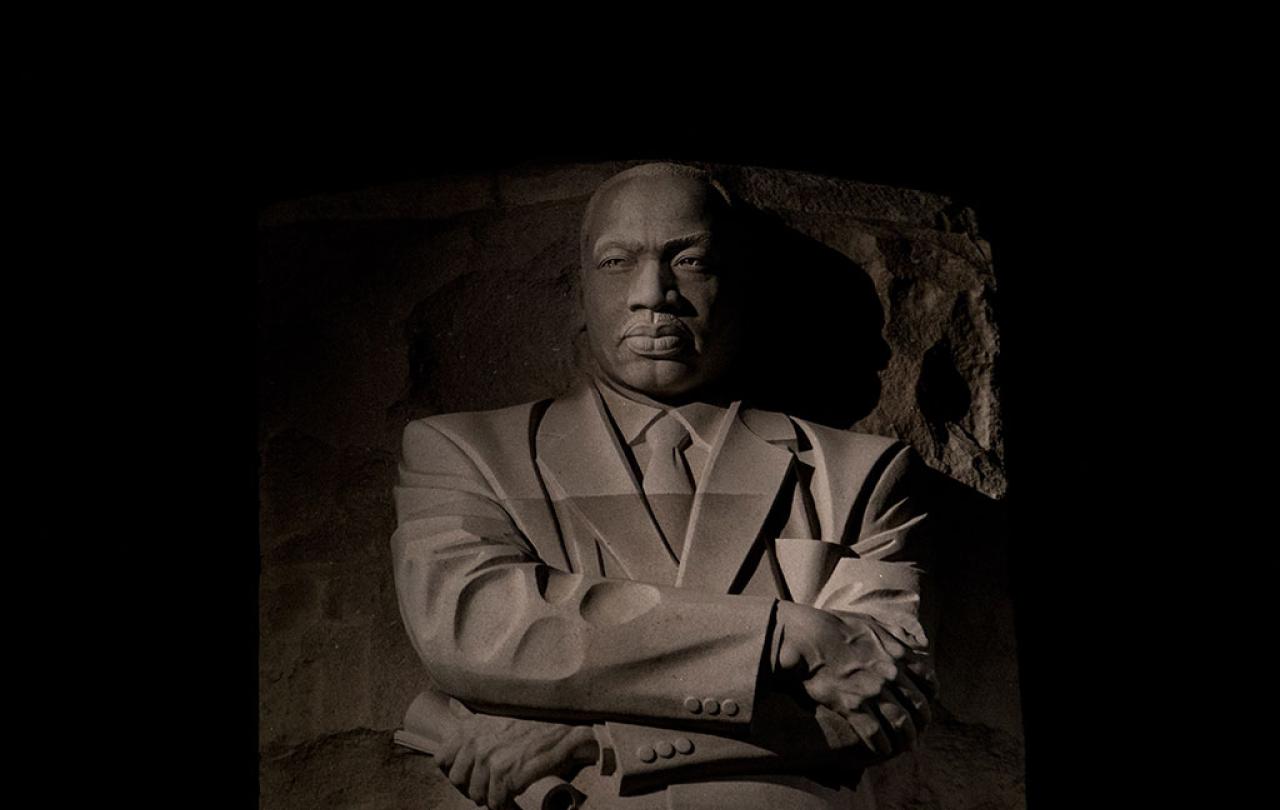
{"points": [[511, 636]]}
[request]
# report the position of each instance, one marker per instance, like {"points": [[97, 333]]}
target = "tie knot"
{"points": [[667, 432]]}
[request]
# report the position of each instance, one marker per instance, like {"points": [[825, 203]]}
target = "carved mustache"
{"points": [[655, 325]]}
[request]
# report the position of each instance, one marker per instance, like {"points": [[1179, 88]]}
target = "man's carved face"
{"points": [[660, 303]]}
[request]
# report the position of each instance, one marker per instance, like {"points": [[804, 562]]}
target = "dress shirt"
{"points": [[633, 418]]}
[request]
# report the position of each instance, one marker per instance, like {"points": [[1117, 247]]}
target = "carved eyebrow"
{"points": [[682, 242], [670, 246], [605, 244]]}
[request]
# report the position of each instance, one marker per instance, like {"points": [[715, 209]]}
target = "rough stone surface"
{"points": [[387, 304]]}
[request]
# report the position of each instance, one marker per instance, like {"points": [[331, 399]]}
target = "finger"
{"points": [[897, 721], [447, 751], [894, 644], [862, 684], [868, 648], [894, 648], [478, 785], [871, 732], [444, 762], [922, 670], [499, 795], [533, 769], [911, 696], [573, 753], [868, 658], [460, 771]]}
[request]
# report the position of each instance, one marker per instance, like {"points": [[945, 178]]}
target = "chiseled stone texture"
{"points": [[387, 304]]}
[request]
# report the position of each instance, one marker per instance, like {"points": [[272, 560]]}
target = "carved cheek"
{"points": [[602, 316]]}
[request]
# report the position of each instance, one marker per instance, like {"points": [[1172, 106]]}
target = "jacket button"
{"points": [[711, 706], [646, 754], [692, 704], [729, 707], [665, 750], [684, 745]]}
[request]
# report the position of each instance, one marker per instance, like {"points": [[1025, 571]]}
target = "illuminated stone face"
{"points": [[660, 300]]}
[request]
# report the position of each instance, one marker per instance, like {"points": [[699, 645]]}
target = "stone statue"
{"points": [[649, 586]]}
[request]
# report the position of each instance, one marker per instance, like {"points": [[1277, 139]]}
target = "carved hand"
{"points": [[853, 667], [494, 759], [918, 663]]}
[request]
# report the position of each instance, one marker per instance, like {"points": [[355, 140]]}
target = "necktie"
{"points": [[667, 484]]}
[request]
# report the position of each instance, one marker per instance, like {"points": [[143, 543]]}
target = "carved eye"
{"points": [[692, 262]]}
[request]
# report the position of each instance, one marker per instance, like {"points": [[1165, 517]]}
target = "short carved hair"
{"points": [[660, 169]]}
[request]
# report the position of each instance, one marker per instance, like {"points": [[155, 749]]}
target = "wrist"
{"points": [[789, 632]]}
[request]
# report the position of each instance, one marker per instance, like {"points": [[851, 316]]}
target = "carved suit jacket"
{"points": [[509, 519]]}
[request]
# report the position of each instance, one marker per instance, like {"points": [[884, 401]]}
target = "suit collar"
{"points": [[580, 453], [633, 416], [630, 416]]}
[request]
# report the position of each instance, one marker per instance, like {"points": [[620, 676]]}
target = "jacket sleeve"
{"points": [[885, 573], [783, 738], [505, 633]]}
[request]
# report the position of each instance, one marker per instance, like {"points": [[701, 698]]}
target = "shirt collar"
{"points": [[633, 418]]}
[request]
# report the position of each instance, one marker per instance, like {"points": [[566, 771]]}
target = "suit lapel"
{"points": [[738, 492], [579, 450], [843, 463]]}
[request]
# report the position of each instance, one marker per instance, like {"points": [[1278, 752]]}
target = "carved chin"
{"points": [[651, 375]]}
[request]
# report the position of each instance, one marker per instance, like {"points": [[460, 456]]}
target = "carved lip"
{"points": [[658, 348], [657, 336], [657, 330]]}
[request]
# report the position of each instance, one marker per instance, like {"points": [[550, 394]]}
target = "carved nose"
{"points": [[653, 286]]}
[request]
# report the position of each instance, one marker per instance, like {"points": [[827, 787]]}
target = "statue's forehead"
{"points": [[647, 202]]}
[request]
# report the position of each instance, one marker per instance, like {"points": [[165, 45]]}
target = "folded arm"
{"points": [[507, 634], [882, 589], [670, 675]]}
